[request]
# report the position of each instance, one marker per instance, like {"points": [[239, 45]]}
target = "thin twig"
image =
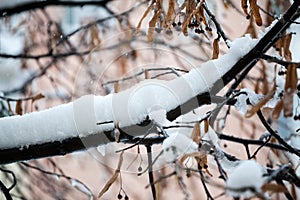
{"points": [[217, 25], [208, 195], [150, 171], [278, 60], [275, 135]]}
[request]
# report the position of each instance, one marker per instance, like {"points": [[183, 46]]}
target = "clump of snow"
{"points": [[211, 137], [176, 145], [81, 187], [238, 48], [159, 116], [241, 103], [245, 180]]}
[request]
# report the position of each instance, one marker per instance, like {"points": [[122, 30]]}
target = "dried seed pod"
{"points": [[152, 26], [289, 90], [286, 47], [196, 134], [277, 110], [244, 6], [144, 15], [261, 103], [216, 49], [19, 107], [255, 11], [170, 13], [206, 125]]}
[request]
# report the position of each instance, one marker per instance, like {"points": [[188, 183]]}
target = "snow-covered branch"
{"points": [[73, 126]]}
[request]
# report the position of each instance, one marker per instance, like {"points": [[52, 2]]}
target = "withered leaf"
{"points": [[144, 15], [286, 47], [273, 187], [206, 125], [277, 110], [244, 6], [289, 89], [255, 11], [216, 49], [152, 26], [196, 134], [19, 107], [170, 13], [113, 178], [260, 104]]}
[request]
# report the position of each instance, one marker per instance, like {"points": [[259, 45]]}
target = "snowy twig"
{"points": [[13, 178], [251, 142], [261, 146], [217, 25], [275, 135], [5, 191], [80, 186], [208, 195], [278, 61]]}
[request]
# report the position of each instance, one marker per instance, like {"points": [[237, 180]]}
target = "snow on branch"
{"points": [[87, 121], [129, 107]]}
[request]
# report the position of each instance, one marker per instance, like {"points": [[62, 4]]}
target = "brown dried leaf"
{"points": [[170, 13], [202, 15], [203, 163], [277, 110], [255, 11], [290, 87], [265, 88], [152, 26], [260, 104], [185, 25], [196, 134], [196, 155], [244, 6], [19, 107], [206, 125], [113, 178], [216, 49], [94, 37], [286, 47], [144, 15], [280, 45], [226, 5], [273, 187]]}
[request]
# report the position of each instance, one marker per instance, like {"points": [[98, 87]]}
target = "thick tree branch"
{"points": [[245, 63], [76, 143]]}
